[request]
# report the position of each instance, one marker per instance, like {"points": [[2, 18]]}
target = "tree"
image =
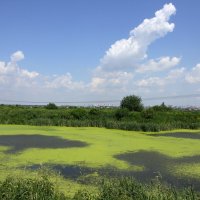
{"points": [[132, 103], [51, 106]]}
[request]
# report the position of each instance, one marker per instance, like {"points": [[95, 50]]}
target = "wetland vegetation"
{"points": [[155, 118], [87, 153]]}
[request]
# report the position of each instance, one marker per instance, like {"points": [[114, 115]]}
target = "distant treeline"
{"points": [[155, 118]]}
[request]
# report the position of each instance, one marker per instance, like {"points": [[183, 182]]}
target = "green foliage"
{"points": [[162, 108], [121, 113], [132, 103], [148, 114], [94, 112], [122, 188], [114, 189], [84, 195], [79, 113], [29, 189], [151, 119], [51, 106]]}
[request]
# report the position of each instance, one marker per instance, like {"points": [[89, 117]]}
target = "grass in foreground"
{"points": [[41, 188]]}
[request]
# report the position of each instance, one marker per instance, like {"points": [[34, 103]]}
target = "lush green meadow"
{"points": [[103, 150]]}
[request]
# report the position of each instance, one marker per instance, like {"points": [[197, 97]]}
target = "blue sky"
{"points": [[60, 50]]}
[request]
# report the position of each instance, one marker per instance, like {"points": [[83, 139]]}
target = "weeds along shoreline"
{"points": [[153, 119], [42, 188]]}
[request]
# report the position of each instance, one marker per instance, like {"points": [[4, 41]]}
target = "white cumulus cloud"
{"points": [[63, 81], [151, 81], [28, 74], [17, 56], [10, 71], [126, 57], [127, 52], [159, 64], [12, 75], [117, 80], [194, 75], [172, 77]]}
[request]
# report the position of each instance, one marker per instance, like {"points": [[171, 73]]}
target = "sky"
{"points": [[74, 50]]}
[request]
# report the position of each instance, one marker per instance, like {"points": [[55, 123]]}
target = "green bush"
{"points": [[41, 188], [123, 189], [121, 113], [162, 108], [94, 112], [29, 189], [79, 113], [84, 195], [149, 119], [148, 114]]}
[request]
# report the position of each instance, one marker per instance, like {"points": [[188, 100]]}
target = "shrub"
{"points": [[121, 113], [148, 113], [84, 195], [29, 189], [94, 111], [79, 113], [162, 108], [123, 189]]}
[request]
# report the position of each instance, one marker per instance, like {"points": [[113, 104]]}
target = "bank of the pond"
{"points": [[156, 118], [113, 189]]}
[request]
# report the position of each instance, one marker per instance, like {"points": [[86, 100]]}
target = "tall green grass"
{"points": [[29, 189], [42, 188]]}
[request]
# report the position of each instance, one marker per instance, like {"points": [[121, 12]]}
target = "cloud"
{"points": [[28, 74], [12, 75], [170, 78], [159, 64], [17, 56], [127, 57], [117, 80], [194, 75], [63, 81], [127, 52], [97, 83], [175, 74], [151, 81]]}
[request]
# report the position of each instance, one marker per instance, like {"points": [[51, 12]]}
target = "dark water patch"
{"points": [[19, 143], [178, 135], [157, 164], [82, 174], [72, 172]]}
